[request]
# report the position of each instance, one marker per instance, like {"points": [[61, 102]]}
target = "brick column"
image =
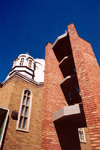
{"points": [[88, 74], [53, 100]]}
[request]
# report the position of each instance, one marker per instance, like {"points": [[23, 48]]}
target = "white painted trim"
{"points": [[59, 38], [82, 141], [17, 128], [4, 125], [17, 74]]}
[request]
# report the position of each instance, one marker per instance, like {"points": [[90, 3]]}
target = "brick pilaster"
{"points": [[88, 74], [53, 100]]}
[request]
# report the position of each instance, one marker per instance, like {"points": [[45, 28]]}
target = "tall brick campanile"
{"points": [[53, 100], [88, 73], [71, 94]]}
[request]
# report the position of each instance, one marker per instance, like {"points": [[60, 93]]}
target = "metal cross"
{"points": [[28, 49]]}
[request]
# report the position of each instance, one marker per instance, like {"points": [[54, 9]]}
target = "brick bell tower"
{"points": [[71, 95], [21, 97]]}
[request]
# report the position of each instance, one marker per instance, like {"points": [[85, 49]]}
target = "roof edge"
{"points": [[16, 74]]}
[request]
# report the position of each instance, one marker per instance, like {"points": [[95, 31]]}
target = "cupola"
{"points": [[26, 65]]}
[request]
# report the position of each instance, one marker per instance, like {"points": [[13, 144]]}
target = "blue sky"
{"points": [[33, 23]]}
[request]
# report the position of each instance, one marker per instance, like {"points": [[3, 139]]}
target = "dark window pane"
{"points": [[24, 123], [25, 92], [24, 99], [22, 110], [28, 93], [26, 111], [3, 113], [27, 102], [20, 122]]}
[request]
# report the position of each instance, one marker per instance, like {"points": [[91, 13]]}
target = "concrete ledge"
{"points": [[66, 61], [69, 81], [59, 38], [62, 47], [73, 114], [66, 111]]}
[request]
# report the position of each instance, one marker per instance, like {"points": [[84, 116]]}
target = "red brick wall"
{"points": [[88, 73], [11, 94], [53, 100], [5, 94], [87, 145]]}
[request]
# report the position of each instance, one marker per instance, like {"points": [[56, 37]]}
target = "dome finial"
{"points": [[28, 50]]}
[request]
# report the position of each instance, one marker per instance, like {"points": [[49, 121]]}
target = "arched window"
{"points": [[24, 112], [30, 64], [21, 61]]}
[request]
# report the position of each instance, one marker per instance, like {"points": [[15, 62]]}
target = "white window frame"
{"points": [[79, 130], [30, 66], [21, 61], [4, 125], [28, 121]]}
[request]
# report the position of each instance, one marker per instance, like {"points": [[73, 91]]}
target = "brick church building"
{"points": [[56, 108]]}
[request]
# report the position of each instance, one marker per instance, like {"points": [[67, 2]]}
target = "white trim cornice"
{"points": [[19, 75]]}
